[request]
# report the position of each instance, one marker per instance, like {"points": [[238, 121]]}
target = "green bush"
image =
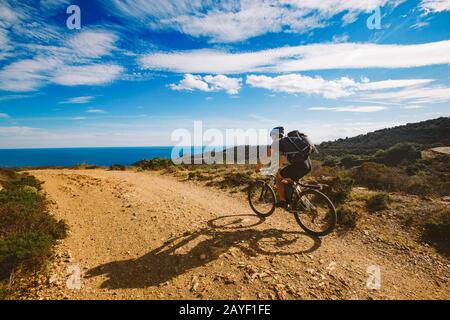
{"points": [[400, 153], [236, 179], [377, 176], [330, 162], [154, 164], [338, 189], [117, 167], [437, 228], [29, 250], [10, 179], [378, 202], [347, 217], [27, 231], [23, 210], [86, 166], [4, 292], [348, 161]]}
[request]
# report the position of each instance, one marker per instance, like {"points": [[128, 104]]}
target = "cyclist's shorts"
{"points": [[296, 171]]}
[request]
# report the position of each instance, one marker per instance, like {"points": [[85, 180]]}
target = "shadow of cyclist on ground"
{"points": [[192, 250]]}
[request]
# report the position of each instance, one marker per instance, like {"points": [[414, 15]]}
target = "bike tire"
{"points": [[299, 213], [265, 187]]}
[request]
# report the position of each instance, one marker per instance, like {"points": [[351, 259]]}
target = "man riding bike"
{"points": [[290, 157]]}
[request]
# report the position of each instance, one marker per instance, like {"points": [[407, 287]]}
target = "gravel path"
{"points": [[143, 235]]}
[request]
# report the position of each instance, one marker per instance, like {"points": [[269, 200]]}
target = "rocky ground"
{"points": [[143, 235]]}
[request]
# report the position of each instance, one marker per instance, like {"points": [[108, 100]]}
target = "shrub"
{"points": [[86, 166], [10, 179], [117, 167], [236, 179], [399, 153], [338, 188], [348, 161], [154, 164], [29, 249], [23, 210], [4, 292], [437, 228], [377, 176], [27, 231], [378, 202], [347, 217], [330, 162]]}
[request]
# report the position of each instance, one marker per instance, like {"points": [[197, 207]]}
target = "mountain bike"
{"points": [[312, 209]]}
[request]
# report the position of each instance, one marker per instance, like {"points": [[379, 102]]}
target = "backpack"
{"points": [[297, 147]]}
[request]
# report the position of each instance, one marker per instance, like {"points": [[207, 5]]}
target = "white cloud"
{"points": [[209, 83], [229, 21], [4, 116], [413, 107], [340, 38], [7, 14], [87, 75], [78, 100], [93, 44], [417, 95], [14, 97], [331, 89], [95, 110], [26, 75], [4, 44], [435, 6], [301, 58], [363, 109], [74, 63], [52, 4], [296, 83]]}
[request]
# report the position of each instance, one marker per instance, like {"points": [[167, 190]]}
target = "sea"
{"points": [[66, 157]]}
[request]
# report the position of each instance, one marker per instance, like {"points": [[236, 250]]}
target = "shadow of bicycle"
{"points": [[195, 249]]}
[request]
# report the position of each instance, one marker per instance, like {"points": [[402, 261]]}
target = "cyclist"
{"points": [[290, 156]]}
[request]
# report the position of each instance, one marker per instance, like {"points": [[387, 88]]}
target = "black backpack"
{"points": [[297, 147]]}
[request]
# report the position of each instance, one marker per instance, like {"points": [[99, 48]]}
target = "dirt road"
{"points": [[142, 235]]}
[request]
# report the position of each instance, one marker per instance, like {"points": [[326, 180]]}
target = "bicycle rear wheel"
{"points": [[261, 197], [314, 212]]}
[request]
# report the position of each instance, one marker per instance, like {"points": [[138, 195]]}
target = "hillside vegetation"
{"points": [[425, 134], [27, 230]]}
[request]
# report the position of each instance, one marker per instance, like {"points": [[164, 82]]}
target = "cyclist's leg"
{"points": [[280, 187]]}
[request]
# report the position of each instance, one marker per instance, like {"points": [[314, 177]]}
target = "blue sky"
{"points": [[138, 70]]}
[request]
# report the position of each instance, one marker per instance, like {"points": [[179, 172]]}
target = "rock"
{"points": [[331, 266], [194, 284], [203, 256]]}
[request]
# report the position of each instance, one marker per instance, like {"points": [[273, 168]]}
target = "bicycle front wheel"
{"points": [[261, 197], [315, 212]]}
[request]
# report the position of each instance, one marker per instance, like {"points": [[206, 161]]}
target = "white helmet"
{"points": [[277, 131]]}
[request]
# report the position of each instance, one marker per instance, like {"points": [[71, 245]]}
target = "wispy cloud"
{"points": [[331, 89], [413, 107], [95, 110], [14, 97], [435, 6], [78, 100], [231, 21], [358, 109], [209, 83], [301, 58], [4, 116], [93, 44], [72, 64], [418, 95], [95, 74]]}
